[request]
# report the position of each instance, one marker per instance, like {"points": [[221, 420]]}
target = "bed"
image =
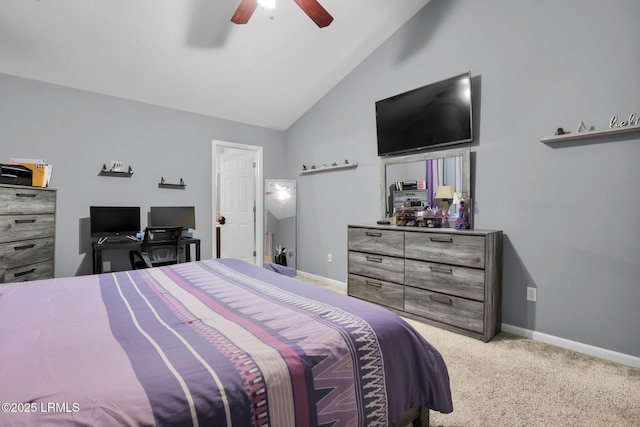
{"points": [[209, 343]]}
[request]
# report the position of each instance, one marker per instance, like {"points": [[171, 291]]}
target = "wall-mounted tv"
{"points": [[109, 221], [168, 216], [430, 116]]}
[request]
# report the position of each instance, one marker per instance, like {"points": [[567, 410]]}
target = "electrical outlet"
{"points": [[106, 266], [329, 258], [531, 294]]}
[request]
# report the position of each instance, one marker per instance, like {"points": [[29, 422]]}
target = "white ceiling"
{"points": [[187, 55]]}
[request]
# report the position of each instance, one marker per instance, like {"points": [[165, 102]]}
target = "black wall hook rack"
{"points": [[107, 172], [180, 186]]}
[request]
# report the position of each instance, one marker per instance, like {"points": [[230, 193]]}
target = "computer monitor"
{"points": [[109, 221], [167, 216]]}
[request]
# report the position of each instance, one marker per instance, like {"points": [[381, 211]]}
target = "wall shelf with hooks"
{"points": [[329, 168], [180, 186], [120, 173]]}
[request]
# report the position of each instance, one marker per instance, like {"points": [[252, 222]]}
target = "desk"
{"points": [[185, 242]]}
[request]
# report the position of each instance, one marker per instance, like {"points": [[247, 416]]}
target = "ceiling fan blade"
{"points": [[316, 12], [244, 11]]}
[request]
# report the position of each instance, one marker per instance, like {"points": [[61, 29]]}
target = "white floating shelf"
{"points": [[329, 168], [591, 134]]}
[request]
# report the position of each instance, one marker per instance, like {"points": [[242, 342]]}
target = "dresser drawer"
{"points": [[41, 270], [16, 254], [447, 309], [449, 279], [377, 291], [21, 227], [26, 201], [446, 248], [385, 242], [377, 266]]}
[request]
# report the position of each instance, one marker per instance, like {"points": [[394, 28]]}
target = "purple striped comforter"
{"points": [[209, 343]]}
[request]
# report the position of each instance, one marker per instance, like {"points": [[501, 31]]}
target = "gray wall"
{"points": [[77, 132], [569, 212]]}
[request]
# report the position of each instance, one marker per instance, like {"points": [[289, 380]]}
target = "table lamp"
{"points": [[445, 193]]}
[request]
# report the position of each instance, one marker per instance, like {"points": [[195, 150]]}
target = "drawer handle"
{"points": [[441, 300], [25, 221], [22, 248], [441, 270], [23, 273], [371, 234], [374, 259], [25, 195], [375, 284], [441, 239]]}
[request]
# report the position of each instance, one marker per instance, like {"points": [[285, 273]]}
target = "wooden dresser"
{"points": [[27, 231], [445, 277]]}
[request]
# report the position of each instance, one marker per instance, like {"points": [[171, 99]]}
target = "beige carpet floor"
{"points": [[515, 381]]}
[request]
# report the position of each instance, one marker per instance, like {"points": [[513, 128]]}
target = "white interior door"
{"points": [[237, 205]]}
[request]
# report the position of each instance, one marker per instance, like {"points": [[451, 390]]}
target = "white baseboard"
{"points": [[603, 353], [322, 279]]}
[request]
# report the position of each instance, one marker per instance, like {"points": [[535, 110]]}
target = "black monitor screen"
{"points": [[167, 216], [114, 220]]}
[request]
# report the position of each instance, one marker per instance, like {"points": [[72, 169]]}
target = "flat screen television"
{"points": [[430, 116], [109, 221], [167, 216]]}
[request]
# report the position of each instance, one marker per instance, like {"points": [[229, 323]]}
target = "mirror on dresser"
{"points": [[418, 176]]}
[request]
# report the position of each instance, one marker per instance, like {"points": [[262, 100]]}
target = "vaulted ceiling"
{"points": [[187, 55]]}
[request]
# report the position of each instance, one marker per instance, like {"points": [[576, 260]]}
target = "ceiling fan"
{"points": [[312, 8]]}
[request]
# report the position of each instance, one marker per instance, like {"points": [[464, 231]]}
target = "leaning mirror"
{"points": [[280, 226], [423, 178]]}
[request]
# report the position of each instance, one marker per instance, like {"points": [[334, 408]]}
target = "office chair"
{"points": [[160, 246]]}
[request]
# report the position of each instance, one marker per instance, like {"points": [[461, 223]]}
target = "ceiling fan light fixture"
{"points": [[267, 4], [312, 8]]}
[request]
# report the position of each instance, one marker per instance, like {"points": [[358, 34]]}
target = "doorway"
{"points": [[238, 187]]}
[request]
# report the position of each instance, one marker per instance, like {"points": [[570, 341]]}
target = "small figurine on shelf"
{"points": [[581, 127], [461, 222]]}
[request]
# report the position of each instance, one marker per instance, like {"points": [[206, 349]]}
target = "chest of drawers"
{"points": [[27, 233], [445, 277]]}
